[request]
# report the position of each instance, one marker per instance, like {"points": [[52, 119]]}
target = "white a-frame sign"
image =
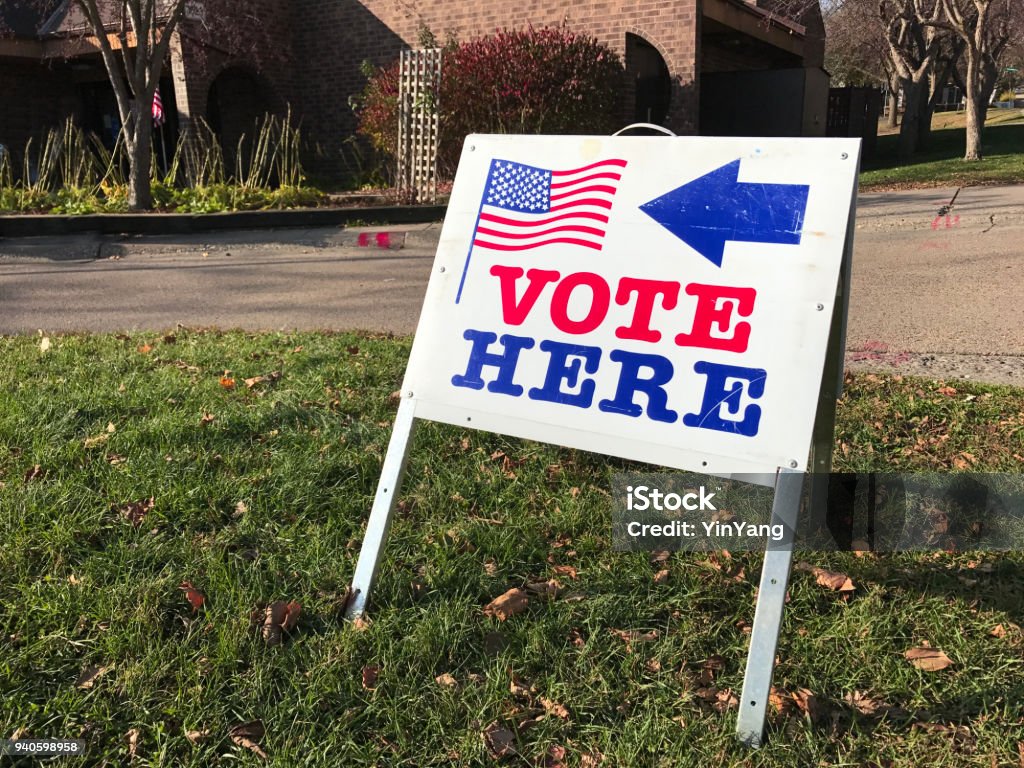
{"points": [[678, 301]]}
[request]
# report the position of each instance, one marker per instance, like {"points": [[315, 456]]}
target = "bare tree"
{"points": [[946, 63], [133, 37], [856, 52], [985, 28], [913, 37], [135, 75]]}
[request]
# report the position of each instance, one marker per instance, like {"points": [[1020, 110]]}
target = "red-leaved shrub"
{"points": [[547, 80]]}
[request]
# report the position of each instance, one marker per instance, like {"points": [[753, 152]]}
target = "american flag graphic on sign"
{"points": [[525, 207]]}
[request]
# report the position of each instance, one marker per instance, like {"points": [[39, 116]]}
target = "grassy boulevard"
{"points": [[156, 491], [941, 163]]}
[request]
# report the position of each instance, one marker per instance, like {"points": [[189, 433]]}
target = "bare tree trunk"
{"points": [[894, 102], [975, 124], [927, 110], [976, 108], [140, 194], [892, 120]]}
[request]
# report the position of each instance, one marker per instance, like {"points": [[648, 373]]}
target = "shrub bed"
{"points": [[546, 80]]}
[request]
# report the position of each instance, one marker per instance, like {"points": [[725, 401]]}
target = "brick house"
{"points": [[695, 66]]}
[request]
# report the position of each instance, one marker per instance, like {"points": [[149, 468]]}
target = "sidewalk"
{"points": [[936, 288], [92, 246], [920, 208]]}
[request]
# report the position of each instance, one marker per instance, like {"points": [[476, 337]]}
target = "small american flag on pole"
{"points": [[525, 207], [158, 109]]}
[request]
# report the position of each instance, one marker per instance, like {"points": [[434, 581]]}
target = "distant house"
{"points": [[695, 66]]}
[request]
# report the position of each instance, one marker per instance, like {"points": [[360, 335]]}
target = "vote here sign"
{"points": [[660, 299]]}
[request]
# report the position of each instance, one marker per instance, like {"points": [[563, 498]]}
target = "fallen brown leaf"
{"points": [[252, 382], [961, 735], [36, 473], [509, 604], [249, 735], [661, 577], [998, 631], [863, 703], [446, 680], [197, 736], [145, 349], [194, 596], [834, 580], [554, 708], [227, 382], [520, 689], [206, 418], [808, 703], [928, 659], [527, 723], [550, 588], [88, 676], [276, 619], [92, 442], [499, 741], [726, 700], [591, 759], [132, 737], [553, 757], [779, 700], [370, 673], [565, 570], [135, 512], [715, 662], [659, 556], [630, 636]]}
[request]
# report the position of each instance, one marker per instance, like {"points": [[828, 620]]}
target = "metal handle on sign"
{"points": [[651, 126]]}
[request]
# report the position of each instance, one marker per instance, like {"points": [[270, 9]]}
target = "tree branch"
{"points": [[117, 77]]}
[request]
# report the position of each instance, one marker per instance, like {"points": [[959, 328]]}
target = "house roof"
{"points": [[21, 17], [68, 17]]}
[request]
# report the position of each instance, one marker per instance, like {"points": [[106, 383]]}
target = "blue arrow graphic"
{"points": [[716, 207]]}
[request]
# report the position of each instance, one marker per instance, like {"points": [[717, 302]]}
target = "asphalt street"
{"points": [[936, 290]]}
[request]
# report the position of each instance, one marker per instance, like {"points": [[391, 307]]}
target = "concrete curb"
{"points": [[45, 225]]}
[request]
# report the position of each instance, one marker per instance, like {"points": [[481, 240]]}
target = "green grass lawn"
{"points": [[259, 494], [941, 163]]}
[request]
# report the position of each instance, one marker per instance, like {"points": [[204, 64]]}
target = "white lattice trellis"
{"points": [[418, 124]]}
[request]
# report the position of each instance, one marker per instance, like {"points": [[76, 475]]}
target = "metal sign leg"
{"points": [[383, 509], [771, 598]]}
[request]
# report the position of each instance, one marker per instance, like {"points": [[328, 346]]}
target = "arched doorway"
{"points": [[652, 82], [238, 98]]}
